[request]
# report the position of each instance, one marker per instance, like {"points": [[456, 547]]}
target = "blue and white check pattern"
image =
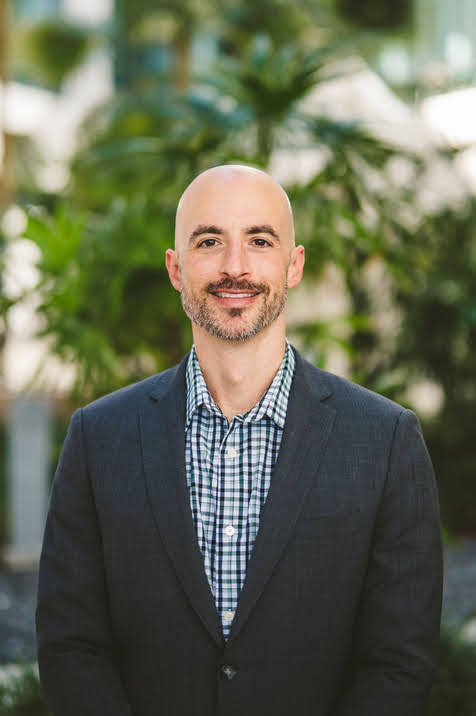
{"points": [[229, 469]]}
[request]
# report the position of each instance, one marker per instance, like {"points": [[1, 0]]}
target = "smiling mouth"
{"points": [[227, 294]]}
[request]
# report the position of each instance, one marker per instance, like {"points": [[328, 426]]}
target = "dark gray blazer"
{"points": [[339, 614]]}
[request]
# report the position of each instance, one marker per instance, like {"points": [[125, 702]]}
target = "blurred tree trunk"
{"points": [[181, 69], [6, 141], [264, 130], [123, 74]]}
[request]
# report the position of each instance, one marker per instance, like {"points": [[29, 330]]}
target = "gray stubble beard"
{"points": [[200, 314]]}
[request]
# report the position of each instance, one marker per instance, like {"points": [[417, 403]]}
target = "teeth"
{"points": [[222, 294]]}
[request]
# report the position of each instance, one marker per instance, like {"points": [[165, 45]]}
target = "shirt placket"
{"points": [[216, 428], [232, 488], [229, 528]]}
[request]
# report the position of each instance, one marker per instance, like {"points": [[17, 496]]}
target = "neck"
{"points": [[238, 373]]}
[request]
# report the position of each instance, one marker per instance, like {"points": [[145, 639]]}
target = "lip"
{"points": [[235, 301]]}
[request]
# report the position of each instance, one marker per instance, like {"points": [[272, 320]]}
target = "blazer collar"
{"points": [[162, 434], [173, 379]]}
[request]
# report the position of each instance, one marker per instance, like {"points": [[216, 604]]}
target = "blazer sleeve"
{"points": [[75, 647], [397, 628]]}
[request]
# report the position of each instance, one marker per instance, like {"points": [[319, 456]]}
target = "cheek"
{"points": [[196, 275], [280, 274], [270, 267]]}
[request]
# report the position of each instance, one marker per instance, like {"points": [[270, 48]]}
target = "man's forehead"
{"points": [[236, 212], [230, 173], [233, 189], [235, 195]]}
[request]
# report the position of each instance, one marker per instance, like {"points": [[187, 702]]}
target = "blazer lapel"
{"points": [[308, 426], [162, 425]]}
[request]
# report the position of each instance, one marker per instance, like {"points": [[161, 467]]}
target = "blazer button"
{"points": [[228, 672]]}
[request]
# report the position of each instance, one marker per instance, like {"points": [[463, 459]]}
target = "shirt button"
{"points": [[230, 530], [228, 672], [228, 616], [231, 452]]}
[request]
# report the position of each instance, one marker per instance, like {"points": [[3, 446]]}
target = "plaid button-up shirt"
{"points": [[229, 469]]}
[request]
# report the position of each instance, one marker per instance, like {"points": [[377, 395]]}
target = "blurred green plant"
{"points": [[376, 14], [104, 297], [266, 84], [279, 19], [454, 687], [158, 139], [21, 694], [437, 340], [48, 51], [138, 155]]}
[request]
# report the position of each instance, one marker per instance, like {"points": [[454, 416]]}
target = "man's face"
{"points": [[235, 256]]}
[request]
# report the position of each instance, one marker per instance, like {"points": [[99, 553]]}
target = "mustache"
{"points": [[228, 284]]}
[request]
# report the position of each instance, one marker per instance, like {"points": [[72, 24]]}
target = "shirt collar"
{"points": [[274, 402], [197, 391]]}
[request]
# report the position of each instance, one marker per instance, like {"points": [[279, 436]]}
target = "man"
{"points": [[243, 533]]}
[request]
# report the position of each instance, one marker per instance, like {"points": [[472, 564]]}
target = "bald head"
{"points": [[241, 194]]}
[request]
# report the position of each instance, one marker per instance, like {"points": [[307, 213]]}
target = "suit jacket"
{"points": [[339, 613]]}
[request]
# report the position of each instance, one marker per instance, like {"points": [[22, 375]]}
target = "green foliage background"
{"points": [[104, 298]]}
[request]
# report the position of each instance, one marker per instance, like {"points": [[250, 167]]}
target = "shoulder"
{"points": [[360, 415], [131, 398], [347, 396]]}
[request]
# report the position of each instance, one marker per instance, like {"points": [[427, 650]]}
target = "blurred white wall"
{"points": [[90, 12]]}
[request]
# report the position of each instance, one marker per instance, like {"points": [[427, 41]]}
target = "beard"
{"points": [[200, 312]]}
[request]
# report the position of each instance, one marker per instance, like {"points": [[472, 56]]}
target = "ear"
{"points": [[171, 262], [296, 266]]}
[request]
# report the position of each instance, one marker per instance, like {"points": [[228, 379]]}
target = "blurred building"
{"points": [[440, 49]]}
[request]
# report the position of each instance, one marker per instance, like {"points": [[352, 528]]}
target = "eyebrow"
{"points": [[204, 229], [211, 229], [263, 229]]}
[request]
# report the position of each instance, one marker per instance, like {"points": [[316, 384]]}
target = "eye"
{"points": [[207, 243], [261, 242]]}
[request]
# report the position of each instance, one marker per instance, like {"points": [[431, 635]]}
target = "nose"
{"points": [[235, 261]]}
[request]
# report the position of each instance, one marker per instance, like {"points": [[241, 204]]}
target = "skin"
{"points": [[234, 259]]}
